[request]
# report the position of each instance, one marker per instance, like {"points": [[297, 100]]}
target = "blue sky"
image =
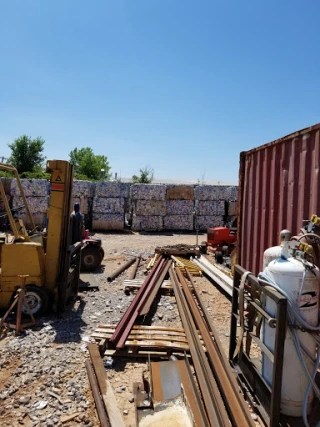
{"points": [[180, 85]]}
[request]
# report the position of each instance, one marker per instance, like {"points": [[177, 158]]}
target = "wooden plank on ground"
{"points": [[135, 332], [144, 353], [144, 327], [106, 390], [148, 337]]}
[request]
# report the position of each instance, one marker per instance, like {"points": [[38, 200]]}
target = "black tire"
{"points": [[90, 258], [101, 253], [38, 300], [219, 257]]}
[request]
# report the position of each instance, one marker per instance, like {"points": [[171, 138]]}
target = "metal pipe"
{"points": [[135, 268], [103, 417], [121, 269]]}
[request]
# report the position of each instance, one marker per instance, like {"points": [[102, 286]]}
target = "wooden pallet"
{"points": [[135, 284], [143, 341]]}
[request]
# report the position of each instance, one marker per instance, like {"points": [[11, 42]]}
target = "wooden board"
{"points": [[145, 353]]}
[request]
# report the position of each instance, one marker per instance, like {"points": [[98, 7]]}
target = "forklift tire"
{"points": [[90, 258], [38, 300], [101, 253]]}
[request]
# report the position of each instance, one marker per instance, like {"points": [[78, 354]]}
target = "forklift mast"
{"points": [[62, 263]]}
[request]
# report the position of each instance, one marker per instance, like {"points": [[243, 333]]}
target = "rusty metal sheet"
{"points": [[279, 187]]}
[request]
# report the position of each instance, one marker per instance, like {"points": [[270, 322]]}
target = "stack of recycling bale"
{"points": [[232, 200], [82, 193], [110, 203], [149, 206], [209, 206], [179, 208], [4, 220], [36, 193]]}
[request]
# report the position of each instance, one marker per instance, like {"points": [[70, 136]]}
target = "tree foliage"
{"points": [[145, 177], [27, 154], [89, 166]]}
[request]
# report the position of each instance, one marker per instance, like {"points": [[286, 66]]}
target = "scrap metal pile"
{"points": [[190, 378]]}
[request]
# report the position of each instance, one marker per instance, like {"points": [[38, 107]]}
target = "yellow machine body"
{"points": [[47, 259], [20, 259]]}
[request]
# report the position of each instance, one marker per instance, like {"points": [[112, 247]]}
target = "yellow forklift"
{"points": [[46, 262]]}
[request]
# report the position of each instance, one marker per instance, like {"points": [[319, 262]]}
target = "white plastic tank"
{"points": [[302, 285], [275, 251]]}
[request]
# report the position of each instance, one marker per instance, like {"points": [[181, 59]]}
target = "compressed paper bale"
{"points": [[112, 189], [36, 204], [84, 203], [178, 222], [147, 223], [104, 221], [31, 187], [82, 188], [231, 221], [208, 221], [210, 207], [233, 208], [108, 205], [150, 207], [232, 193], [148, 191], [39, 220], [7, 182], [2, 207], [180, 207], [180, 192], [210, 192]]}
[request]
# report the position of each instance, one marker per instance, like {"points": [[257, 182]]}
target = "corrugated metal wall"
{"points": [[279, 187]]}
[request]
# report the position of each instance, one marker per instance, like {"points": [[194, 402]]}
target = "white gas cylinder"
{"points": [[275, 251], [301, 284]]}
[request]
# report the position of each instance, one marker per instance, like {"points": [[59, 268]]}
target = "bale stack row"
{"points": [[148, 206], [36, 193], [110, 203], [179, 208], [4, 220], [83, 193]]}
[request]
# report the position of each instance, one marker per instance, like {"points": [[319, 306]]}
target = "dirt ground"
{"points": [[47, 363]]}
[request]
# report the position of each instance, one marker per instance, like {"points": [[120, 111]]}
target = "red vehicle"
{"points": [[221, 241], [92, 253]]}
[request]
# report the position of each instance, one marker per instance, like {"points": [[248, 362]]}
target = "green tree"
{"points": [[27, 154], [145, 177], [87, 165]]}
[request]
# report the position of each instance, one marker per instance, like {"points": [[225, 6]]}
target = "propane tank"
{"points": [[300, 281], [275, 251]]}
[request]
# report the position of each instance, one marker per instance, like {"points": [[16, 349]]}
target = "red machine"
{"points": [[92, 253], [221, 241]]}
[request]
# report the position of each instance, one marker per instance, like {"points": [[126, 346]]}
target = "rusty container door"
{"points": [[279, 187]]}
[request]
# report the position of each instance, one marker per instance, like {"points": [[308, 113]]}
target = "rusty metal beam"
{"points": [[104, 421], [234, 401], [216, 412], [122, 329], [141, 301], [146, 306]]}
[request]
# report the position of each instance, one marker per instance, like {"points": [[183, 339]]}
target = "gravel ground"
{"points": [[42, 373]]}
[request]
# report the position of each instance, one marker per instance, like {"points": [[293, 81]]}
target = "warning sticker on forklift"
{"points": [[57, 187]]}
